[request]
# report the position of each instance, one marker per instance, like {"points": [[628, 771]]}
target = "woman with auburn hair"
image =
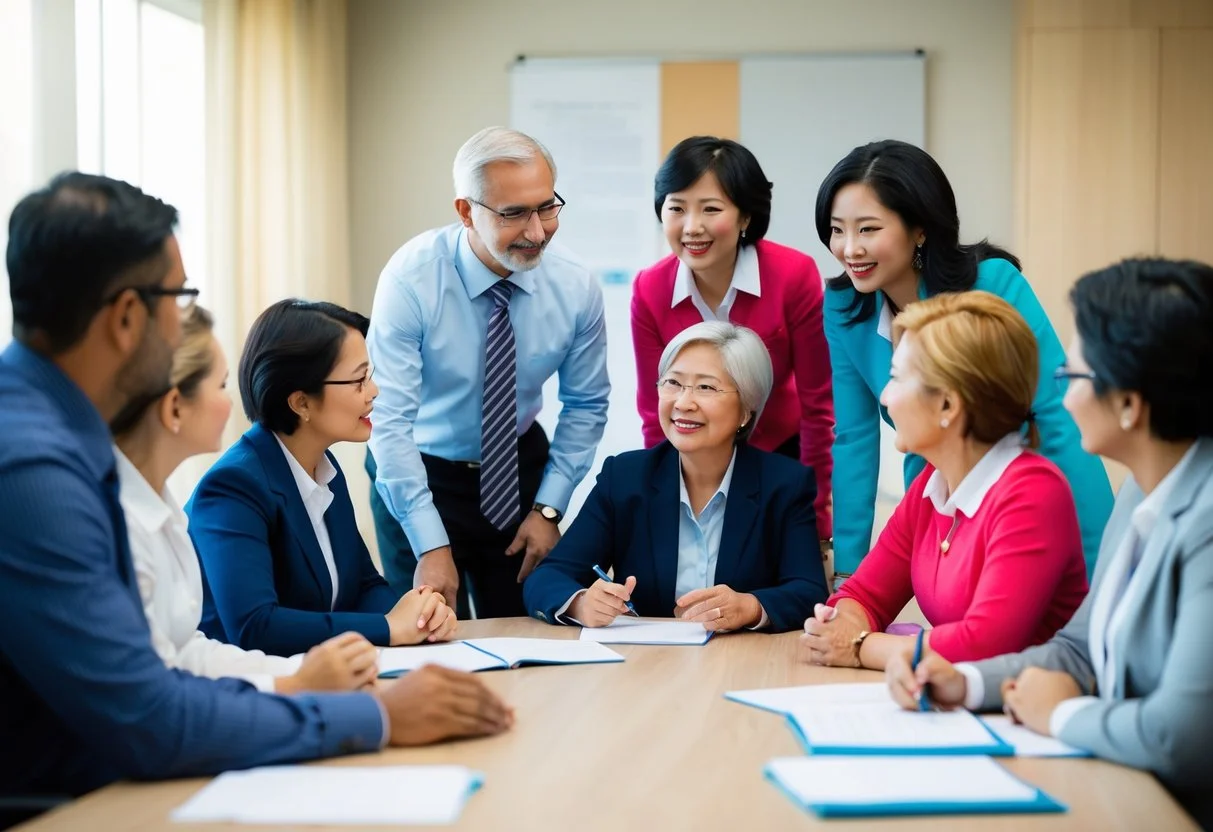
{"points": [[987, 535]]}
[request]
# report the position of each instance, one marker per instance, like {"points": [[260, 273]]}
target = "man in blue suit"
{"points": [[96, 280]]}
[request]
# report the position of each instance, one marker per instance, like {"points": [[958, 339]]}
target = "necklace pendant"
{"points": [[945, 546]]}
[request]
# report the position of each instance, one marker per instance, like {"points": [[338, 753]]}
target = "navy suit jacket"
{"points": [[86, 699], [768, 545], [268, 587]]}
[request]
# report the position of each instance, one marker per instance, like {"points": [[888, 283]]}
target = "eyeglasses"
{"points": [[185, 296], [1063, 377], [670, 388], [359, 383], [516, 217]]}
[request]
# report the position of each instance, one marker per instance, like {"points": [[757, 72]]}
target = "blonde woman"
{"points": [[987, 537], [153, 438]]}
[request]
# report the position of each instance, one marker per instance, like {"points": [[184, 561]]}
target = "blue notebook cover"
{"points": [[998, 748], [1039, 804]]}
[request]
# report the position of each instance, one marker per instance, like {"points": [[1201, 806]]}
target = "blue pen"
{"points": [[598, 571], [924, 701]]}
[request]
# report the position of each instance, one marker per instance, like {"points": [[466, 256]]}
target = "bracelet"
{"points": [[857, 643]]}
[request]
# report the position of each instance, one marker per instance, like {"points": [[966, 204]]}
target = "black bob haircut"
{"points": [[75, 243], [740, 176], [293, 345], [1147, 326]]}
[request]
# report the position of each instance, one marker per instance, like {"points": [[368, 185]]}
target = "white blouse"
{"points": [[170, 585]]}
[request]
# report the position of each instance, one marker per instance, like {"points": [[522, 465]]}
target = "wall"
{"points": [[426, 74]]}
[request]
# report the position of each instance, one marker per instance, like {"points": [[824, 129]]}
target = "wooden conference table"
{"points": [[651, 743]]}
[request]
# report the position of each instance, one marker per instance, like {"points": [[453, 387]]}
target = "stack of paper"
{"points": [[872, 786], [334, 795], [886, 728], [1028, 743], [493, 654], [647, 631], [783, 700]]}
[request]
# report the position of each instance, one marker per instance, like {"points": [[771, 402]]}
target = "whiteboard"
{"points": [[601, 119]]}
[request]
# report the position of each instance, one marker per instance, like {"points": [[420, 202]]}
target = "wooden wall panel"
{"points": [[1092, 138], [1185, 220], [1105, 14], [700, 98]]}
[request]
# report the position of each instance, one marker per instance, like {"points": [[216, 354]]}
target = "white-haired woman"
{"points": [[702, 527]]}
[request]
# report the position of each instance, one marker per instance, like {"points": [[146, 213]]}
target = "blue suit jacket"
{"points": [[268, 587], [860, 358], [768, 546], [86, 700]]}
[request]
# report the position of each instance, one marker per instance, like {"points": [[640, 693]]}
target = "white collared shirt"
{"points": [[316, 499], [170, 586], [745, 279], [973, 489], [884, 324]]}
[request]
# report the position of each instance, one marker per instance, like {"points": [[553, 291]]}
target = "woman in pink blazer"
{"points": [[714, 203]]}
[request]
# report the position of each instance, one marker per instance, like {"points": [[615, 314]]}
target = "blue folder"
{"points": [[997, 748]]}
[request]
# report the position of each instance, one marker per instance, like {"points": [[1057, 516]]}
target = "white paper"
{"points": [[457, 655], [888, 725], [1028, 743], [877, 780], [784, 700], [640, 631], [516, 651], [334, 795]]}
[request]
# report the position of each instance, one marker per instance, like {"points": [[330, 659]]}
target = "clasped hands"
{"points": [[718, 608]]}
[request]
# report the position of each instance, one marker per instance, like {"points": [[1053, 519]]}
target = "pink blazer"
{"points": [[788, 319]]}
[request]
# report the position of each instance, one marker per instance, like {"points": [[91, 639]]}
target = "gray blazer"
{"points": [[1160, 714]]}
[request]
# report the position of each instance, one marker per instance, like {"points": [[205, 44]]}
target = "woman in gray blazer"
{"points": [[1130, 678]]}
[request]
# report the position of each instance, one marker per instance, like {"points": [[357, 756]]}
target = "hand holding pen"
{"points": [[604, 601], [907, 684]]}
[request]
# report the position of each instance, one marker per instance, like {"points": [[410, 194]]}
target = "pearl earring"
{"points": [[943, 423], [1126, 424]]}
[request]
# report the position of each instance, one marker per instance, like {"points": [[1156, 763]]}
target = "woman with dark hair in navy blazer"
{"points": [[702, 527], [272, 520]]}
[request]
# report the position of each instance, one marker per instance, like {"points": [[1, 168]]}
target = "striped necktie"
{"points": [[499, 500]]}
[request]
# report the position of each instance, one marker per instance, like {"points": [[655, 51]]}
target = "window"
{"points": [[141, 106], [16, 128]]}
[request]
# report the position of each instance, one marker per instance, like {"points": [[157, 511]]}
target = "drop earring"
{"points": [[917, 262], [743, 233]]}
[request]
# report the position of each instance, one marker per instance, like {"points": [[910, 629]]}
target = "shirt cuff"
{"points": [[263, 682], [555, 491], [353, 722], [425, 530], [975, 686], [560, 613], [762, 622], [387, 723], [1063, 712]]}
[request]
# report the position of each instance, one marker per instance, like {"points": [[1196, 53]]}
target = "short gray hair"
{"points": [[493, 144], [745, 359]]}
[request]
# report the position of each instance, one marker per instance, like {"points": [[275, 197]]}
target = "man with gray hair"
{"points": [[468, 323]]}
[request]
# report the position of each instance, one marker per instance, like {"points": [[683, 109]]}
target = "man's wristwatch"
{"points": [[547, 512]]}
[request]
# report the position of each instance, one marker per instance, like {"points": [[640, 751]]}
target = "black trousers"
{"points": [[486, 575]]}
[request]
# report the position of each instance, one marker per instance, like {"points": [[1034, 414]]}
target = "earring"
{"points": [[917, 262], [307, 418], [1126, 424], [943, 423], [743, 233], [176, 428]]}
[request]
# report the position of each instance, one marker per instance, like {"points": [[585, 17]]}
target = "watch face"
{"points": [[548, 512]]}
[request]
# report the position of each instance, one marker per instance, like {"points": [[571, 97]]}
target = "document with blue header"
{"points": [[883, 786], [493, 654]]}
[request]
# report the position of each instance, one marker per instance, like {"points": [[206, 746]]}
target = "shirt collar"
{"points": [[140, 502], [722, 491], [477, 277], [86, 423], [308, 486], [1145, 516], [977, 483], [884, 324], [745, 277]]}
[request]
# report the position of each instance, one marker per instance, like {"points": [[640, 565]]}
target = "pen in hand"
{"points": [[598, 571], [924, 701]]}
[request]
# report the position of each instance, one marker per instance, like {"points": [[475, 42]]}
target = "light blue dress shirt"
{"points": [[427, 342], [699, 538]]}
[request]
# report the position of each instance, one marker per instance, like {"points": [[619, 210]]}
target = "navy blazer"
{"points": [[768, 546], [267, 585]]}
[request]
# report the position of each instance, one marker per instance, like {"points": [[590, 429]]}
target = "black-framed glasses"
{"points": [[522, 216], [359, 383], [185, 296], [1063, 376], [672, 388]]}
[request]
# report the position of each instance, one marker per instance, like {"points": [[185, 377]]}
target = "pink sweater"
{"points": [[788, 319], [1012, 577]]}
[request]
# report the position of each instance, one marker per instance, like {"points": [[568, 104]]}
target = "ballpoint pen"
{"points": [[924, 701], [598, 571]]}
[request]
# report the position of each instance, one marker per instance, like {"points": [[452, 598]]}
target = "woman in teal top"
{"points": [[887, 212]]}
